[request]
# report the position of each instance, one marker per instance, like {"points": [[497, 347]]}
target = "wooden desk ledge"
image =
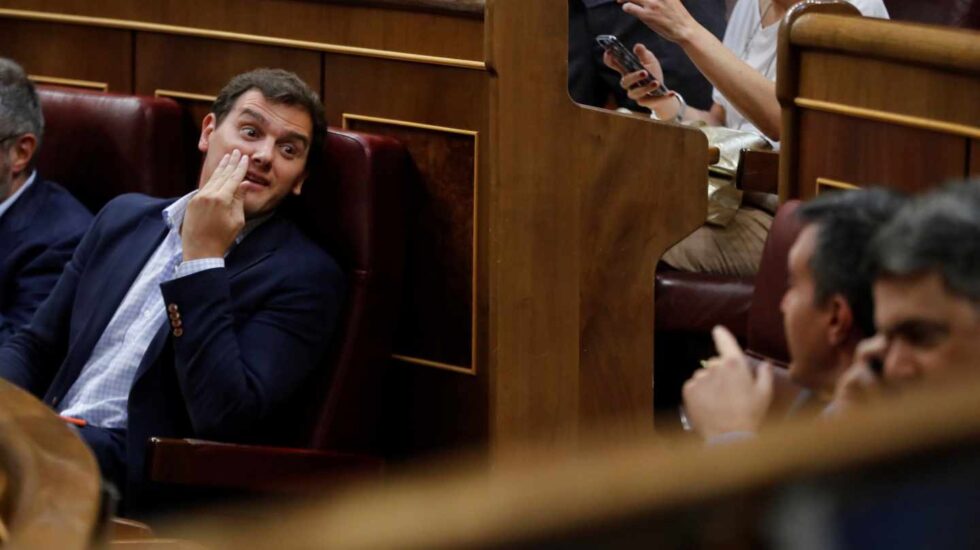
{"points": [[253, 467]]}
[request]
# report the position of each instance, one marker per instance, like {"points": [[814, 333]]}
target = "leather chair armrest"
{"points": [[758, 171], [252, 467], [696, 302]]}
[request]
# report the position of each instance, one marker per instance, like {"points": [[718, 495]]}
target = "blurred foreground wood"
{"points": [[49, 481], [621, 493]]}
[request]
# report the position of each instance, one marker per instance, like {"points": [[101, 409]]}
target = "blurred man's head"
{"points": [[927, 285], [21, 127], [827, 308], [277, 120]]}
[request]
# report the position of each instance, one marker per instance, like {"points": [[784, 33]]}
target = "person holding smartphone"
{"points": [[742, 69], [742, 66]]}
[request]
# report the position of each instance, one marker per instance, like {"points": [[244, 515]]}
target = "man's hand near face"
{"points": [[216, 214], [859, 384], [727, 397]]}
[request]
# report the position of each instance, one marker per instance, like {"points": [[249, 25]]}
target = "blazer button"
{"points": [[176, 323], [178, 332], [173, 315], [54, 401], [172, 308]]}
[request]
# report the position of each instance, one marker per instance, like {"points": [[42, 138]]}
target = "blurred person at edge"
{"points": [[41, 223]]}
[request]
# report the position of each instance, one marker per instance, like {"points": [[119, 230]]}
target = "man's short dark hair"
{"points": [[937, 232], [847, 222], [278, 86], [20, 108]]}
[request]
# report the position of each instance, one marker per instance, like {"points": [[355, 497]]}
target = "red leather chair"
{"points": [[101, 145], [355, 210], [689, 304]]}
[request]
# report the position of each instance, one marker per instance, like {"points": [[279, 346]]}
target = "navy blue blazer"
{"points": [[38, 234], [252, 331]]}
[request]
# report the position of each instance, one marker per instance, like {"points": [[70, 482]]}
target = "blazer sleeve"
{"points": [[36, 276], [233, 376], [31, 357]]}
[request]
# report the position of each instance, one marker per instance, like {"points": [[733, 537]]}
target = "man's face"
{"points": [[930, 333], [806, 323], [276, 138]]}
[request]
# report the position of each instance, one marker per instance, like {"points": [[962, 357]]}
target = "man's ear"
{"points": [[207, 128], [841, 320], [298, 187], [22, 152]]}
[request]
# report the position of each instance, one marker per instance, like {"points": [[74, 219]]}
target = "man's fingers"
{"points": [[725, 342], [763, 380], [218, 171]]}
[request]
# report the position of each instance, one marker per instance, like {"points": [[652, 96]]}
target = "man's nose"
{"points": [[262, 152], [900, 362]]}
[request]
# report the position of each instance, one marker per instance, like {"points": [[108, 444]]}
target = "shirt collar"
{"points": [[173, 216], [5, 205]]}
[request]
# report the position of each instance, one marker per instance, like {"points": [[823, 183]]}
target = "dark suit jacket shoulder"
{"points": [[37, 237]]}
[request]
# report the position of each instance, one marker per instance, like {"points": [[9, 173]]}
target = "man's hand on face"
{"points": [[727, 397], [216, 214], [859, 384]]}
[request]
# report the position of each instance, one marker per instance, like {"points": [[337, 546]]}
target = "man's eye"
{"points": [[249, 131], [289, 150]]}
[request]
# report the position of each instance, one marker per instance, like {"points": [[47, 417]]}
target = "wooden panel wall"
{"points": [[101, 58], [400, 30], [874, 102]]}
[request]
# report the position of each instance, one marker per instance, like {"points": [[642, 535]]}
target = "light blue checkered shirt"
{"points": [[100, 393]]}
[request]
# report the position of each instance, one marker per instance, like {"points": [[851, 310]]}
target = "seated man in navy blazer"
{"points": [[40, 222], [194, 317]]}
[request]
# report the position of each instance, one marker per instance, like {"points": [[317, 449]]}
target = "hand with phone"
{"points": [[862, 382], [642, 76]]}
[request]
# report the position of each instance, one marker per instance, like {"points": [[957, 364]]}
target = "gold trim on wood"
{"points": [[345, 118], [836, 184], [240, 37], [893, 118], [72, 82], [174, 94], [434, 364]]}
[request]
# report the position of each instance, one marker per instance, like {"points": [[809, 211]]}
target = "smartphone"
{"points": [[628, 60]]}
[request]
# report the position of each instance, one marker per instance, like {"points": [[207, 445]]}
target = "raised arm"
{"points": [[749, 91]]}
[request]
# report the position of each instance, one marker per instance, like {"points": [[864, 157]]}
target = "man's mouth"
{"points": [[256, 179]]}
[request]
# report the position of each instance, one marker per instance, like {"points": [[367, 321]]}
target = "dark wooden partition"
{"points": [[535, 223]]}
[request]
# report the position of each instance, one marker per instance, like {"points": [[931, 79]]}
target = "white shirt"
{"points": [[5, 205], [756, 46]]}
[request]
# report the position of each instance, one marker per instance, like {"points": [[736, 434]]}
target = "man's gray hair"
{"points": [[20, 108], [937, 232]]}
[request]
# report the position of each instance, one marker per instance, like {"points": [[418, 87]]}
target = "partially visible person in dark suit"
{"points": [[200, 316], [40, 222], [590, 82]]}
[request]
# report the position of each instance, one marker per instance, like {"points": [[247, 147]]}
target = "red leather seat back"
{"points": [[101, 145], [355, 209], [954, 13], [766, 335]]}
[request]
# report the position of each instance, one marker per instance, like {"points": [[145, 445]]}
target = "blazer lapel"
{"points": [[119, 272], [256, 247]]}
